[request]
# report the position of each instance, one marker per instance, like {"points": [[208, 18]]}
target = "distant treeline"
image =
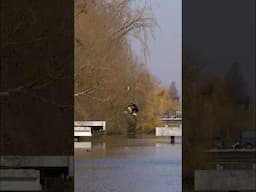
{"points": [[216, 106]]}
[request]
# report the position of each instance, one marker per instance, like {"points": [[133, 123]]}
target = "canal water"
{"points": [[118, 164]]}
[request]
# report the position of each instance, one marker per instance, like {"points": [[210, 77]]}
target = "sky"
{"points": [[164, 61]]}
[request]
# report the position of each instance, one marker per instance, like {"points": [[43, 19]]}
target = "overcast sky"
{"points": [[165, 50]]}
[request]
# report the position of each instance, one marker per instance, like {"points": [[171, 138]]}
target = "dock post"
{"points": [[172, 139]]}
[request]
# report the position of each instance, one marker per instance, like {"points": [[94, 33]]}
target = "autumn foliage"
{"points": [[108, 75]]}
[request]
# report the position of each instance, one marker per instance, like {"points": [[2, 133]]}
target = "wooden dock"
{"points": [[25, 173], [225, 180], [169, 131], [172, 127], [20, 180], [88, 128], [235, 170]]}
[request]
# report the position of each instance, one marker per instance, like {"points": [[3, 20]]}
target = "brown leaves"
{"points": [[107, 75]]}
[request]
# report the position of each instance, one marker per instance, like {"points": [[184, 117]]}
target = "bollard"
{"points": [[172, 139]]}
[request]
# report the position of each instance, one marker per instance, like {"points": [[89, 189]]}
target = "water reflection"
{"points": [[119, 165]]}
